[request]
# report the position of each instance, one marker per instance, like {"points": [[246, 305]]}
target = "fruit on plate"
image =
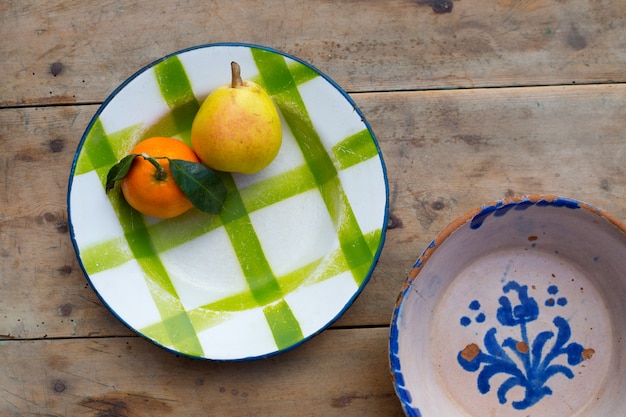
{"points": [[152, 190], [163, 177], [237, 128]]}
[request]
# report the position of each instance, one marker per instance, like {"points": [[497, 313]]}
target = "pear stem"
{"points": [[236, 74]]}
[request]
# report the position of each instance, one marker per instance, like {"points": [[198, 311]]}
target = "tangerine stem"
{"points": [[160, 172]]}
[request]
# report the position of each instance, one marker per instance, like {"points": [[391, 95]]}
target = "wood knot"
{"points": [[58, 220], [56, 68], [437, 205], [56, 145], [63, 227], [393, 222], [49, 217], [58, 386], [65, 269], [65, 309], [442, 6]]}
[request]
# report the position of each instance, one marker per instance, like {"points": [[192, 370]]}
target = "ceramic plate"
{"points": [[295, 243], [516, 309]]}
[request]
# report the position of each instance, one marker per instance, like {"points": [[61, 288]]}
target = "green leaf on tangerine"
{"points": [[119, 171], [203, 187]]}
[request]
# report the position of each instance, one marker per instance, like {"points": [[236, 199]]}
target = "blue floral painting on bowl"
{"points": [[536, 362]]}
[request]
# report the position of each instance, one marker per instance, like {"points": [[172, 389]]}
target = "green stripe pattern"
{"points": [[144, 241]]}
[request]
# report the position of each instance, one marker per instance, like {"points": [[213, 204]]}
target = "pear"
{"points": [[237, 128]]}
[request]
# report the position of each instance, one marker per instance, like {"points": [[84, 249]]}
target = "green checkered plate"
{"points": [[291, 250]]}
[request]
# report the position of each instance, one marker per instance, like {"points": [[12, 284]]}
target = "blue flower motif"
{"points": [[526, 311], [537, 363]]}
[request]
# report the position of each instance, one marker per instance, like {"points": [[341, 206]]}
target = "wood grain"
{"points": [[363, 45], [340, 373]]}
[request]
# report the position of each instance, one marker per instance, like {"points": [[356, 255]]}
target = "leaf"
{"points": [[203, 187], [493, 347], [119, 171], [491, 370], [556, 369], [540, 340], [506, 386], [564, 333]]}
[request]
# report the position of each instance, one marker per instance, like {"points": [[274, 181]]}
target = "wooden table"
{"points": [[495, 98]]}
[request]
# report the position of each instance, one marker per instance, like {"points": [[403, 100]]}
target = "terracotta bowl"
{"points": [[517, 308]]}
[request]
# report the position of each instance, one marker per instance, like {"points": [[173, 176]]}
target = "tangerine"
{"points": [[151, 191]]}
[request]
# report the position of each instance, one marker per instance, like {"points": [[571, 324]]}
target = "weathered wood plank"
{"points": [[364, 45], [339, 373], [446, 152], [44, 291]]}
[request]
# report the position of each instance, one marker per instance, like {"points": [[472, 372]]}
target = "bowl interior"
{"points": [[516, 309], [293, 245]]}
